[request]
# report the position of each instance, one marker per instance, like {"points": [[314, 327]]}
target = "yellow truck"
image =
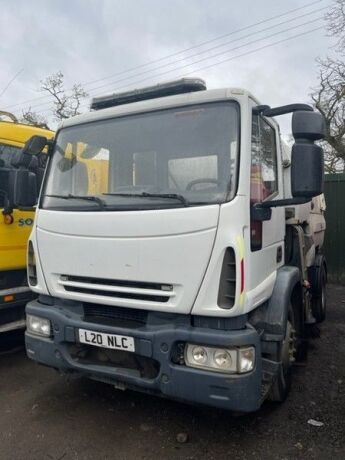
{"points": [[15, 224]]}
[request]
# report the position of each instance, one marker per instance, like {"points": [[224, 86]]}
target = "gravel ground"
{"points": [[45, 416]]}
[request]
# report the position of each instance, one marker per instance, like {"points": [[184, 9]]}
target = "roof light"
{"points": [[184, 85]]}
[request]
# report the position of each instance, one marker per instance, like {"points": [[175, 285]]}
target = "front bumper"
{"points": [[154, 340]]}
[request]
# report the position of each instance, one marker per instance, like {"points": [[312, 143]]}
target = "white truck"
{"points": [[176, 248]]}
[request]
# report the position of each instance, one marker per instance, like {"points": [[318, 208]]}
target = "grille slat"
{"points": [[110, 282], [122, 289], [119, 295], [115, 289]]}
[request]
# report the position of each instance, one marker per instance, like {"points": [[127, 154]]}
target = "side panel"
{"points": [[13, 240], [14, 237], [259, 267]]}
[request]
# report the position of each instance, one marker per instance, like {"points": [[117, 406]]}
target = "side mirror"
{"points": [[23, 188], [308, 125], [307, 170], [19, 189], [307, 163], [35, 145]]}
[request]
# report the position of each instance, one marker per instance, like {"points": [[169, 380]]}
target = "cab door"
{"points": [[266, 184]]}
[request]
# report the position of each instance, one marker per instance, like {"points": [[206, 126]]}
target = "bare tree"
{"points": [[32, 118], [329, 99], [335, 24], [66, 103], [329, 96]]}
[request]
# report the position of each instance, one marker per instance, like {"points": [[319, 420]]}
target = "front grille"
{"points": [[227, 284], [114, 316], [121, 289]]}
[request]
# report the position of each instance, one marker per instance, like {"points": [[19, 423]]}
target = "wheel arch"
{"points": [[287, 289]]}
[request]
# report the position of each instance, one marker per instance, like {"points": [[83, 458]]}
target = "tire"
{"points": [[282, 384], [318, 305]]}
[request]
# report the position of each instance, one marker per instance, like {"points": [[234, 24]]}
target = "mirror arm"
{"points": [[263, 211], [286, 202], [267, 111]]}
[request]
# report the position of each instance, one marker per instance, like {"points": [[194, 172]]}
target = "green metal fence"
{"points": [[335, 233]]}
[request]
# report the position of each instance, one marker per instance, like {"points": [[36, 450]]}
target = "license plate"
{"points": [[100, 339]]}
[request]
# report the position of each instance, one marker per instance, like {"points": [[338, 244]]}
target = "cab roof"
{"points": [[19, 133], [165, 102]]}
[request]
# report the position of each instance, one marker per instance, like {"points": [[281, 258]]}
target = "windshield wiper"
{"points": [[95, 199], [170, 196]]}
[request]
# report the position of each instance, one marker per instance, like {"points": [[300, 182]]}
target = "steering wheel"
{"points": [[202, 180]]}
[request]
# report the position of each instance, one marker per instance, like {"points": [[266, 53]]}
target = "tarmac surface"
{"points": [[45, 416]]}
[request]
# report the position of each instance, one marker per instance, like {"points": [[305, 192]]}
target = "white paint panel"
{"points": [[154, 251], [129, 224]]}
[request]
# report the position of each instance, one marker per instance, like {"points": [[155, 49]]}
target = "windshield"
{"points": [[8, 155], [169, 158]]}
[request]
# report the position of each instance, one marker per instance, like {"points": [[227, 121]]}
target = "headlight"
{"points": [[216, 359], [234, 360], [38, 326]]}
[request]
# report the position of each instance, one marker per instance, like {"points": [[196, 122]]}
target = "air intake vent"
{"points": [[227, 285], [117, 316], [32, 273]]}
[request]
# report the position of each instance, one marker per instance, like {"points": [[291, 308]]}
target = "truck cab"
{"points": [[177, 275], [15, 225]]}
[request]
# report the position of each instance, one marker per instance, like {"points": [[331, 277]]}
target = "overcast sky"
{"points": [[90, 40]]}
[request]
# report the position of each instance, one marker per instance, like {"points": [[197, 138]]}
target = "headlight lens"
{"points": [[38, 326], [227, 360], [223, 359], [199, 355]]}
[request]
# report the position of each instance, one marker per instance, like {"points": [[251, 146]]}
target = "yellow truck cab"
{"points": [[15, 224]]}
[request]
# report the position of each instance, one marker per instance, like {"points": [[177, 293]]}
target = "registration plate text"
{"points": [[101, 339]]}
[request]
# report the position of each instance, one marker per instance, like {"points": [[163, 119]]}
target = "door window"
{"points": [[264, 180], [263, 177]]}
